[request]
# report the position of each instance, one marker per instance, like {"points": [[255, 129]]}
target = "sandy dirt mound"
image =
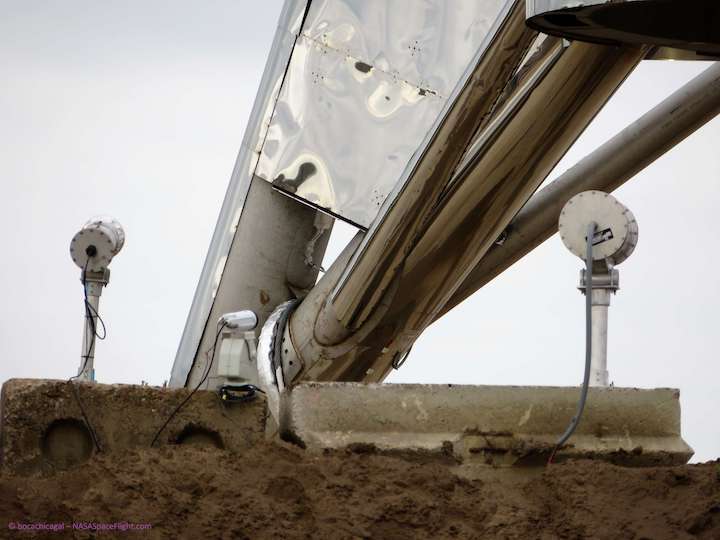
{"points": [[280, 491]]}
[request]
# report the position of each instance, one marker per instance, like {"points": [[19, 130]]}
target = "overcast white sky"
{"points": [[137, 108]]}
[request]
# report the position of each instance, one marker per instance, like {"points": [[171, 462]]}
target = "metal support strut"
{"points": [[93, 283], [603, 285]]}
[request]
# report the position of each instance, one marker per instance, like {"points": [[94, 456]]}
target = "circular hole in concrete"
{"points": [[67, 442], [200, 436]]}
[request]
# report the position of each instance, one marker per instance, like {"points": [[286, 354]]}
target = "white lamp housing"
{"points": [[239, 320], [92, 248], [96, 243]]}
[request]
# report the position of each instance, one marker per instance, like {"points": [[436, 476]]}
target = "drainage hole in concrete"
{"points": [[200, 436], [66, 443]]}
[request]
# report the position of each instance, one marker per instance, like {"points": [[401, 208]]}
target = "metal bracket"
{"points": [[609, 280]]}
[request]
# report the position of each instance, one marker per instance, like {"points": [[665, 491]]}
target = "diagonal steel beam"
{"points": [[606, 169]]}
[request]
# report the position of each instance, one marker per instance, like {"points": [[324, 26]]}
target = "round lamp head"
{"points": [[96, 243], [616, 234]]}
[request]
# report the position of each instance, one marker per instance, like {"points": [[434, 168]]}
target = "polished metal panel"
{"points": [[366, 81], [682, 24], [289, 25], [465, 223], [384, 248], [342, 132], [365, 285], [427, 43]]}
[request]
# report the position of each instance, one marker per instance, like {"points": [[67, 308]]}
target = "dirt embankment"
{"points": [[280, 491]]}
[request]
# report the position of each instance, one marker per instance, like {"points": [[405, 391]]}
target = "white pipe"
{"points": [[86, 371], [599, 335]]}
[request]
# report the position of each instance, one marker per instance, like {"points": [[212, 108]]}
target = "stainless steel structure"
{"points": [[267, 264], [401, 278], [265, 285], [343, 36], [690, 25], [431, 126], [606, 169], [366, 80]]}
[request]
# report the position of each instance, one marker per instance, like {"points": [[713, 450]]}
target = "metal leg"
{"points": [[598, 361], [93, 283]]}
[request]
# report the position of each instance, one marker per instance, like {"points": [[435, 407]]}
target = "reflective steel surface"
{"points": [[606, 169], [684, 24], [491, 189], [394, 233], [366, 81], [288, 27]]}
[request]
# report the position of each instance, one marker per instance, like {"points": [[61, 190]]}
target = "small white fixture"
{"points": [[239, 320], [92, 248]]}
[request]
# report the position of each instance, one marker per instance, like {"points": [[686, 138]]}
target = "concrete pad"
{"points": [[42, 426], [499, 425]]}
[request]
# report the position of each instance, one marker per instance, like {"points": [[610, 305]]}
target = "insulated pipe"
{"points": [[606, 169]]}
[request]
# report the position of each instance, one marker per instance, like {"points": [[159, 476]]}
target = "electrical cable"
{"points": [[588, 343], [238, 393], [399, 358], [90, 314], [93, 334], [90, 310], [207, 372], [86, 356], [93, 435]]}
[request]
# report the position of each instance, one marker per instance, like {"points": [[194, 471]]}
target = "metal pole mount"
{"points": [[615, 238]]}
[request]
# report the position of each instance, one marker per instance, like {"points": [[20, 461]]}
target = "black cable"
{"points": [[86, 356], [89, 311], [92, 311], [241, 393], [86, 351], [399, 359], [84, 414], [207, 372], [588, 342]]}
